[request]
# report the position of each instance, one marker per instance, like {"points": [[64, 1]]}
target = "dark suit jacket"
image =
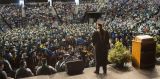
{"points": [[101, 42]]}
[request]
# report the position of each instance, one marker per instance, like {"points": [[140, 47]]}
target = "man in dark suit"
{"points": [[100, 40]]}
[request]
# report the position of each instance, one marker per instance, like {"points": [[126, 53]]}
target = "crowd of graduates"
{"points": [[56, 45], [128, 18], [12, 15], [44, 38], [71, 13]]}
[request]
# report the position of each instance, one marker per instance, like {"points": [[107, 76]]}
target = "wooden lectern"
{"points": [[143, 52]]}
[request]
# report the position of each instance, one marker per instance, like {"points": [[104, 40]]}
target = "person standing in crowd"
{"points": [[3, 74], [100, 40]]}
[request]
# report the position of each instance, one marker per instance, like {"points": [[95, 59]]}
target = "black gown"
{"points": [[101, 42]]}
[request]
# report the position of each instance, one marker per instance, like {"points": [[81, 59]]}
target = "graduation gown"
{"points": [[100, 41]]}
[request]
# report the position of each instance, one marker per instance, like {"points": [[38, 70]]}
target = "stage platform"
{"points": [[112, 73]]}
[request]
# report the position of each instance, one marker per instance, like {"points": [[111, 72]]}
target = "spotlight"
{"points": [[21, 2]]}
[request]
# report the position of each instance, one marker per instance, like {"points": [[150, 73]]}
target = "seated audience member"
{"points": [[8, 69], [23, 72], [3, 74], [45, 69], [7, 66]]}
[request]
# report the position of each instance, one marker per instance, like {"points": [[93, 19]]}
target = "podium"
{"points": [[143, 52]]}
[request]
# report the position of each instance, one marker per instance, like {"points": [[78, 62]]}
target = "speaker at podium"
{"points": [[143, 52]]}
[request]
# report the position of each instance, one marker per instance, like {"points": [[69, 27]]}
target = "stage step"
{"points": [[112, 73]]}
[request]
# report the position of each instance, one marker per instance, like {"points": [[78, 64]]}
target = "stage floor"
{"points": [[112, 73]]}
